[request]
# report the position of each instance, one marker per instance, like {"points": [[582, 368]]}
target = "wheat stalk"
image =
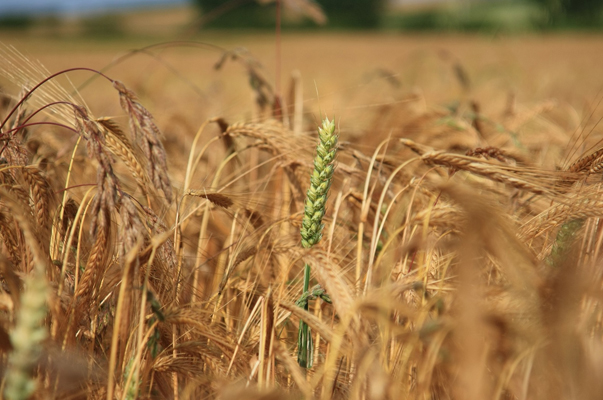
{"points": [[312, 226]]}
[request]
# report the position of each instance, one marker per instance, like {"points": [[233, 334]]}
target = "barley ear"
{"points": [[311, 230]]}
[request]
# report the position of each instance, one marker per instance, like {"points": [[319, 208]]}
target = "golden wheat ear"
{"points": [[148, 136]]}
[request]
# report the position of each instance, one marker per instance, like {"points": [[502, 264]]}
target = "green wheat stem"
{"points": [[305, 345], [312, 226]]}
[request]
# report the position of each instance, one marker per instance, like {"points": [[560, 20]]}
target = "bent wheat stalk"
{"points": [[311, 230]]}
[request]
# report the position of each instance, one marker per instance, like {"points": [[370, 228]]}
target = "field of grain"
{"points": [[151, 203]]}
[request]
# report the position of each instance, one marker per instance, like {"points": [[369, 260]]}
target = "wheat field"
{"points": [[151, 203]]}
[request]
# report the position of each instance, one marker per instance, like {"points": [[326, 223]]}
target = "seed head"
{"points": [[320, 182]]}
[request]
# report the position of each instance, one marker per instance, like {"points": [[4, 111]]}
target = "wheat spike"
{"points": [[218, 199], [320, 182], [119, 145], [147, 135], [584, 163], [311, 229], [41, 194], [10, 241], [532, 180]]}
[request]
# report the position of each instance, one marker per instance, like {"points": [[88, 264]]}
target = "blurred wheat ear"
{"points": [[29, 332], [311, 230]]}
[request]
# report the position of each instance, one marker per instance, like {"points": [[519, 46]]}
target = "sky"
{"points": [[74, 6]]}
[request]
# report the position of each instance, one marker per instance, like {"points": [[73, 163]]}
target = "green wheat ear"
{"points": [[311, 230], [320, 182]]}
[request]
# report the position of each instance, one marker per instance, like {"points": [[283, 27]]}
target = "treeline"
{"points": [[475, 15], [298, 14]]}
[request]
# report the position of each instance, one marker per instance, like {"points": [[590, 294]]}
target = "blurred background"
{"points": [[349, 57], [161, 17]]}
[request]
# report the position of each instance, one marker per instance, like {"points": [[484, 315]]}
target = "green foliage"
{"points": [[16, 22], [571, 12], [104, 26], [495, 16], [353, 13], [237, 14]]}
